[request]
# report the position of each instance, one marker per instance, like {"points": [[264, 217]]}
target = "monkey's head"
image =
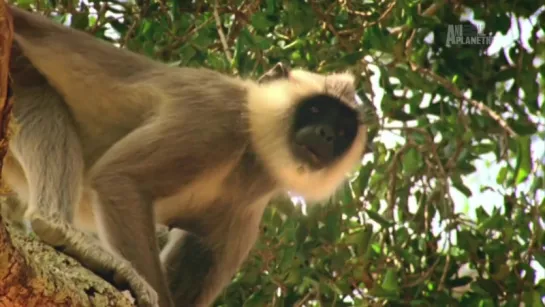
{"points": [[307, 128]]}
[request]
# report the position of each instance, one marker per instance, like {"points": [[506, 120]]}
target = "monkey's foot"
{"points": [[92, 255]]}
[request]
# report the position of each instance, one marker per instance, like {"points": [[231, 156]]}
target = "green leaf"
{"points": [[506, 74], [363, 178], [80, 20], [524, 159], [257, 299], [502, 175], [271, 7], [523, 128], [379, 219], [412, 161], [496, 221], [260, 22], [333, 221], [301, 233], [389, 283], [458, 183], [361, 238], [532, 298]]}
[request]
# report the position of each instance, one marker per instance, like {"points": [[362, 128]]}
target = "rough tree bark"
{"points": [[34, 274]]}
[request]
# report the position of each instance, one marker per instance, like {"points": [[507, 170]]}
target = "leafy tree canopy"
{"points": [[447, 207]]}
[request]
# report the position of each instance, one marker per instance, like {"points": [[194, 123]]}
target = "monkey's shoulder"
{"points": [[195, 94]]}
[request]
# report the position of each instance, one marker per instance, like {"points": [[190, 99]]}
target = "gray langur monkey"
{"points": [[113, 142]]}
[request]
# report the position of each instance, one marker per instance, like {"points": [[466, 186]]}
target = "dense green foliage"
{"points": [[400, 231]]}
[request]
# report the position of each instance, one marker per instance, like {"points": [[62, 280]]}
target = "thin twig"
{"points": [[305, 298], [179, 41], [135, 23], [441, 285], [424, 276], [383, 16], [101, 14], [221, 34], [128, 34]]}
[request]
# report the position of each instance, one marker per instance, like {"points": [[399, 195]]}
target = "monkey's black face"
{"points": [[323, 129]]}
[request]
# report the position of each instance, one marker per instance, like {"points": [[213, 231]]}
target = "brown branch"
{"points": [[479, 105], [383, 16]]}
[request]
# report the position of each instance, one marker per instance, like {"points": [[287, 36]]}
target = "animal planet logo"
{"points": [[467, 34]]}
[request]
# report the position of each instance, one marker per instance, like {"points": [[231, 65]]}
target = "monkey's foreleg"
{"points": [[49, 153], [123, 209], [198, 268]]}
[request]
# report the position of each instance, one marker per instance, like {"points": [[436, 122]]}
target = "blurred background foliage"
{"points": [[407, 230]]}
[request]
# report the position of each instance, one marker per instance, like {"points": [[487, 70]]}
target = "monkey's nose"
{"points": [[326, 133]]}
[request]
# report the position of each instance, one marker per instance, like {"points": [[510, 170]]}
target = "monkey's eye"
{"points": [[314, 110]]}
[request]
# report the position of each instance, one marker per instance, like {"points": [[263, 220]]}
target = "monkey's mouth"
{"points": [[309, 156]]}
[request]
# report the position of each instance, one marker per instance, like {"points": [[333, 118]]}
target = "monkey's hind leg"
{"points": [[47, 148]]}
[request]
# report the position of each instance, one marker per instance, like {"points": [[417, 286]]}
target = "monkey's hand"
{"points": [[89, 252]]}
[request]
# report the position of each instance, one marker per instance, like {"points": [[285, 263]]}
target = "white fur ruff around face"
{"points": [[269, 108]]}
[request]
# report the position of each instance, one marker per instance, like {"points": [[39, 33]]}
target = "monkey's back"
{"points": [[208, 160]]}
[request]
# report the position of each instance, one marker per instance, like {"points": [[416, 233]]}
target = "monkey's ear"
{"points": [[279, 71]]}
